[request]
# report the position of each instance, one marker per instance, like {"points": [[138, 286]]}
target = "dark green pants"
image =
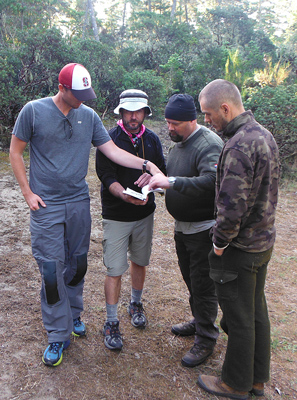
{"points": [[192, 251], [240, 279]]}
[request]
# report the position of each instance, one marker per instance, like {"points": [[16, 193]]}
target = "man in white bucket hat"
{"points": [[60, 131], [133, 100], [127, 221]]}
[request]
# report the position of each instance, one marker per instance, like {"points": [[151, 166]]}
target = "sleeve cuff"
{"points": [[220, 248]]}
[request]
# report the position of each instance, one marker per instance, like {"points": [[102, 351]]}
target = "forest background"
{"points": [[160, 46]]}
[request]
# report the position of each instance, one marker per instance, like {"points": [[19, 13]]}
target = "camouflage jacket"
{"points": [[247, 187]]}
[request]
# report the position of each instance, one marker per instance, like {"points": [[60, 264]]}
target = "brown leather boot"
{"points": [[184, 328], [258, 389], [216, 386]]}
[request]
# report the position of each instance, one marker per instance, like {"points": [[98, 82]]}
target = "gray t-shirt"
{"points": [[59, 148]]}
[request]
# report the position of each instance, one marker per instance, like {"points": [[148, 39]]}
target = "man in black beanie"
{"points": [[190, 195]]}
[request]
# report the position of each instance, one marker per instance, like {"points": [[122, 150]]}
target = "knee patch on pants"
{"points": [[50, 282], [81, 269]]}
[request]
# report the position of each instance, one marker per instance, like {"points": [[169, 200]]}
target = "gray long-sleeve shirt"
{"points": [[193, 163]]}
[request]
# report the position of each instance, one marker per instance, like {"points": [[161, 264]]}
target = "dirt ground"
{"points": [[149, 365]]}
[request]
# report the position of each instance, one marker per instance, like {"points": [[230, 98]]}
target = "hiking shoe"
{"points": [[79, 328], [113, 339], [196, 356], [53, 354], [184, 329], [258, 389], [136, 311], [217, 387]]}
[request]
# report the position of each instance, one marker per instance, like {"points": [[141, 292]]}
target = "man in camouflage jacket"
{"points": [[243, 238]]}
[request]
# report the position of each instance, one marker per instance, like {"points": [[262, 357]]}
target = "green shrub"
{"points": [[276, 109]]}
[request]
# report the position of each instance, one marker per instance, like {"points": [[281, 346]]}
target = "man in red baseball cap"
{"points": [[60, 131], [76, 78]]}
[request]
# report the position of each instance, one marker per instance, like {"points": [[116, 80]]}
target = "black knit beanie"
{"points": [[181, 107]]}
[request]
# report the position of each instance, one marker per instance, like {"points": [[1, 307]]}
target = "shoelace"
{"points": [[114, 330], [197, 348], [77, 322], [54, 347], [138, 309]]}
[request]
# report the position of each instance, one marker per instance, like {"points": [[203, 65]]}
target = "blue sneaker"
{"points": [[53, 354], [79, 328], [113, 339], [136, 312]]}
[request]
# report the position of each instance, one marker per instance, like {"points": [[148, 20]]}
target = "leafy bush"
{"points": [[149, 82], [276, 109], [28, 70]]}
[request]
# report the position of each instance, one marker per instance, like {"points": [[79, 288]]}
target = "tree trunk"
{"points": [[123, 24], [173, 9], [124, 14], [93, 20], [85, 24], [22, 16], [186, 11]]}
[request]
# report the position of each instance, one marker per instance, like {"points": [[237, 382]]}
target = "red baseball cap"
{"points": [[76, 78]]}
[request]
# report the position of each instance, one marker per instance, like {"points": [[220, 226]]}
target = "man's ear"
{"points": [[225, 109]]}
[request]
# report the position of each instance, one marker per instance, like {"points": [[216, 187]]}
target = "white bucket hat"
{"points": [[133, 100]]}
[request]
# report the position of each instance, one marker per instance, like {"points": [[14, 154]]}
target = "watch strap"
{"points": [[144, 166]]}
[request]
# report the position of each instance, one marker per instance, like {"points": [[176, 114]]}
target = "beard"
{"points": [[134, 128], [175, 137]]}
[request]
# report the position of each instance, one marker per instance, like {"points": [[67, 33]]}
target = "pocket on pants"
{"points": [[226, 281], [226, 284]]}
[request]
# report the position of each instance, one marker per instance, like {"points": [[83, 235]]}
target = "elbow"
{"points": [[11, 155]]}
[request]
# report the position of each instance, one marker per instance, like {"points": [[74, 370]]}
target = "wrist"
{"points": [[145, 166], [26, 191], [220, 248], [171, 180], [151, 168]]}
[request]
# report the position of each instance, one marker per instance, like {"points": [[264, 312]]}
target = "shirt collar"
{"points": [[138, 135]]}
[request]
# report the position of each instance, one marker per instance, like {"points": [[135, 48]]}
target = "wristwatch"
{"points": [[171, 180], [144, 166]]}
